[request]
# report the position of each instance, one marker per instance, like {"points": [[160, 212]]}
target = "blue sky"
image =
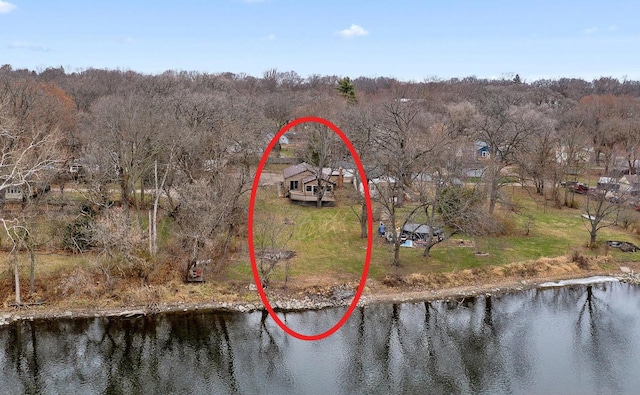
{"points": [[408, 40]]}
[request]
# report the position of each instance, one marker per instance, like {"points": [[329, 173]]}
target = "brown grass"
{"points": [[540, 268]]}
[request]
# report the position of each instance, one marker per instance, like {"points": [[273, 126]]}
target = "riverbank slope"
{"points": [[238, 297]]}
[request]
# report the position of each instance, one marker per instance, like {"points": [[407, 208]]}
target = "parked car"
{"points": [[575, 186]]}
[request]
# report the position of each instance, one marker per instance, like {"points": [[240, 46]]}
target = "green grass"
{"points": [[327, 241], [328, 244], [287, 152]]}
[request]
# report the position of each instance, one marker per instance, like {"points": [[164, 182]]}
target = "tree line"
{"points": [[181, 147]]}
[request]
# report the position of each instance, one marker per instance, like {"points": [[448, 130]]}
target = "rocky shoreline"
{"points": [[628, 276], [340, 297]]}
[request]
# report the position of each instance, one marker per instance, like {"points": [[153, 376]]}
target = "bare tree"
{"points": [[360, 125], [626, 125], [572, 153], [271, 237], [131, 133], [17, 233], [221, 138], [323, 151], [501, 122], [600, 212], [121, 241], [536, 159], [403, 144], [599, 113], [28, 155]]}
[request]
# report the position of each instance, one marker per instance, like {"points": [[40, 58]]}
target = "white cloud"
{"points": [[590, 30], [28, 46], [353, 31], [6, 7], [269, 37]]}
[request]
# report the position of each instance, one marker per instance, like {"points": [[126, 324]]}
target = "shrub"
{"points": [[581, 260], [122, 241], [78, 236]]}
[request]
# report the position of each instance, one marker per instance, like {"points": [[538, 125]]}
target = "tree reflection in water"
{"points": [[570, 339]]}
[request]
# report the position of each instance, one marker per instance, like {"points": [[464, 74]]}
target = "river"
{"points": [[574, 339]]}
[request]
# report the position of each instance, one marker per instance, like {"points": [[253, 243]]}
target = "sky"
{"points": [[410, 40]]}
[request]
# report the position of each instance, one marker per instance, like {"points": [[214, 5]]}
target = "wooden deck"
{"points": [[301, 197]]}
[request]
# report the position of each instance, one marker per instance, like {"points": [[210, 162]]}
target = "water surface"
{"points": [[578, 339]]}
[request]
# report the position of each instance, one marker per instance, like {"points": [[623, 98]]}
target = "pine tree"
{"points": [[347, 89]]}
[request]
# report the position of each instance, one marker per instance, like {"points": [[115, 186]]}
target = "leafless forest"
{"points": [[134, 156]]}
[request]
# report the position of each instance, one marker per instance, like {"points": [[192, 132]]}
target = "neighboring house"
{"points": [[301, 184], [14, 194], [630, 184], [75, 167], [347, 170], [581, 157], [482, 151], [81, 167], [622, 165], [284, 139], [376, 185], [608, 184], [19, 193], [474, 172]]}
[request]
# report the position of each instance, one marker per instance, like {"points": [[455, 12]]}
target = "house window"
{"points": [[328, 188], [309, 188], [484, 154], [293, 184]]}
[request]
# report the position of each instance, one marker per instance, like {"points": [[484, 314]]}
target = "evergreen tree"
{"points": [[347, 89]]}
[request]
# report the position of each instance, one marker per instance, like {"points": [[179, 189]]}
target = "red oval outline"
{"points": [[254, 191]]}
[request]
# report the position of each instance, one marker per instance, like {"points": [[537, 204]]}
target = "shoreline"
{"points": [[292, 304]]}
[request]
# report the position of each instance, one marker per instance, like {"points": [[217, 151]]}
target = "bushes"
{"points": [[78, 235], [122, 241], [580, 260], [629, 219]]}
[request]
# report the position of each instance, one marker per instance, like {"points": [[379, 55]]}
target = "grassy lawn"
{"points": [[329, 249], [287, 151], [327, 242]]}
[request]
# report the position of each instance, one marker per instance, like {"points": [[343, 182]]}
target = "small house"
{"points": [[629, 184], [301, 183], [476, 172], [14, 193], [378, 185], [19, 193], [284, 139], [481, 150]]}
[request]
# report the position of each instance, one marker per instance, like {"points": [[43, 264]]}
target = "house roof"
{"points": [[630, 179], [297, 169], [419, 229], [606, 180], [302, 167], [325, 177]]}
